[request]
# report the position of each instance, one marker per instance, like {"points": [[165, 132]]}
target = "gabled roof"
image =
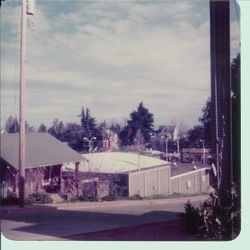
{"points": [[42, 149]]}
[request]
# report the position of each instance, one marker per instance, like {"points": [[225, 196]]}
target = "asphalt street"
{"points": [[58, 221]]}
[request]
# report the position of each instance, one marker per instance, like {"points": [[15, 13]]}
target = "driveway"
{"points": [[59, 221]]}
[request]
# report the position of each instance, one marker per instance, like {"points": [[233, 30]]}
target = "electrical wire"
{"points": [[133, 75]]}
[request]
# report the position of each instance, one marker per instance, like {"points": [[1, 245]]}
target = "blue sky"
{"points": [[109, 56]]}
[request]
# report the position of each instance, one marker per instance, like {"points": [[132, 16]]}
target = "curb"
{"points": [[26, 209]]}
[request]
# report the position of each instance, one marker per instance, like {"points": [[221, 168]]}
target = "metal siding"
{"points": [[151, 182], [179, 184], [175, 185], [164, 181], [136, 184]]}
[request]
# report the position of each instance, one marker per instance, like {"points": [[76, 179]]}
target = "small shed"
{"points": [[45, 156]]}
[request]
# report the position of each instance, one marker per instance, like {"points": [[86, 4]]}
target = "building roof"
{"points": [[119, 162], [196, 150], [42, 149], [183, 168]]}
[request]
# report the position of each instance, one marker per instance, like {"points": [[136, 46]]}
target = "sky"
{"points": [[109, 56]]}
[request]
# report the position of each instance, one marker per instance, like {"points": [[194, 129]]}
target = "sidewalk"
{"points": [[102, 204], [121, 203]]}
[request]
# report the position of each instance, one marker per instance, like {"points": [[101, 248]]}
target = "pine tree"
{"points": [[12, 125], [142, 120], [42, 129], [88, 124]]}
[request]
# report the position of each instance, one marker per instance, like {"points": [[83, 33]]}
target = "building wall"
{"points": [[118, 183], [149, 182], [193, 182], [153, 181], [195, 155], [34, 180], [8, 181]]}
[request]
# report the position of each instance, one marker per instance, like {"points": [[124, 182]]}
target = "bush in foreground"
{"points": [[213, 221], [38, 198]]}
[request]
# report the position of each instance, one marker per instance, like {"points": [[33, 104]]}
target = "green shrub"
{"points": [[214, 221], [135, 197], [84, 198], [191, 218], [10, 200], [109, 198], [38, 198]]}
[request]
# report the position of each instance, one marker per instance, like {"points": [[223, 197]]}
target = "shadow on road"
{"points": [[65, 223]]}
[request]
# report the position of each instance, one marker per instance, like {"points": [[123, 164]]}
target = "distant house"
{"points": [[110, 140], [45, 156], [198, 155], [165, 130]]}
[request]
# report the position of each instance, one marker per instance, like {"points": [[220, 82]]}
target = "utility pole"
{"points": [[166, 138], [26, 8], [21, 106], [177, 139], [221, 91]]}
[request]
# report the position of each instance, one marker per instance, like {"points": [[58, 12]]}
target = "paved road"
{"points": [[81, 218]]}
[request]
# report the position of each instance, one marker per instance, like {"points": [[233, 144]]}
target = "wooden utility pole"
{"points": [[221, 91], [21, 106], [27, 8]]}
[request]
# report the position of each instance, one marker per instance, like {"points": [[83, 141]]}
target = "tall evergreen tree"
{"points": [[73, 134], [142, 120], [57, 130], [42, 129], [206, 122], [12, 125], [195, 135], [88, 124]]}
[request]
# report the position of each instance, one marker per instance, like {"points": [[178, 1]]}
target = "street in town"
{"points": [[66, 221]]}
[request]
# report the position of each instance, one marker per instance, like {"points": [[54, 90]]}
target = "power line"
{"points": [[121, 70]]}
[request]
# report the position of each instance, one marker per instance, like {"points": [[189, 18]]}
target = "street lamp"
{"points": [[89, 141], [203, 146], [166, 138]]}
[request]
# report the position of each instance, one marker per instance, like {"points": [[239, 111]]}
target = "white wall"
{"points": [[150, 182]]}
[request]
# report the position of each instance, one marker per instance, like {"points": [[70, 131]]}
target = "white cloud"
{"points": [[111, 56]]}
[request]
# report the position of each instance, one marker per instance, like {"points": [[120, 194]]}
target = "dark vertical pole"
{"points": [[221, 91], [21, 107], [60, 174], [77, 177]]}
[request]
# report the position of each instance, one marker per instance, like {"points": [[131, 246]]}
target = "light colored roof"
{"points": [[119, 162], [42, 149], [196, 150]]}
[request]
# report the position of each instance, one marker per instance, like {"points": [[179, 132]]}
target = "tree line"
{"points": [[138, 129]]}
